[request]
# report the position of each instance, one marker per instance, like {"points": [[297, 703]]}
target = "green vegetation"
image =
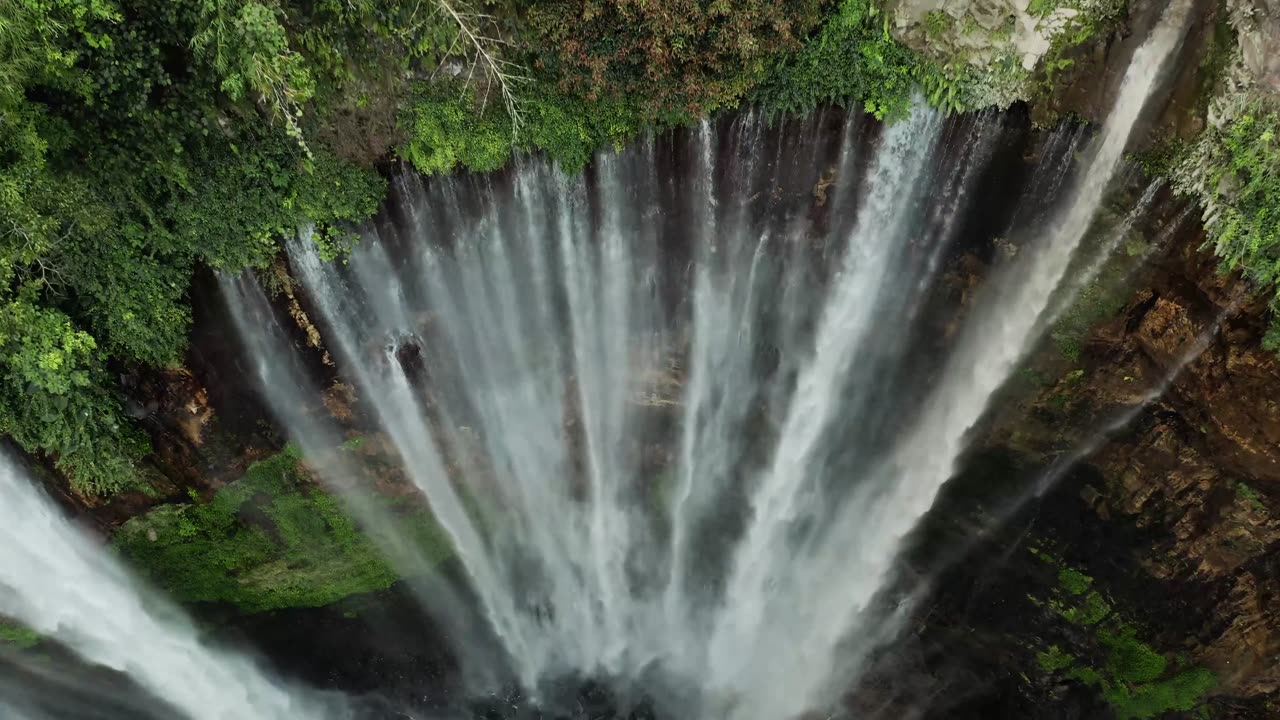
{"points": [[270, 540], [1137, 682], [1054, 659], [1230, 169], [1250, 496], [1233, 171], [1092, 18], [1074, 581], [138, 139], [1033, 377], [1134, 678], [669, 59], [853, 58], [937, 22], [445, 131], [17, 636], [658, 65], [1247, 231]]}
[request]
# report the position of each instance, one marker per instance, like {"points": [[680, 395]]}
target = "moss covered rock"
{"points": [[270, 540]]}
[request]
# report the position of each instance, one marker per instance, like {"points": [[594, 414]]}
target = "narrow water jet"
{"points": [[1083, 450]]}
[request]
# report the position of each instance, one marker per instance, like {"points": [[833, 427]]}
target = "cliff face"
{"points": [[1197, 472]]}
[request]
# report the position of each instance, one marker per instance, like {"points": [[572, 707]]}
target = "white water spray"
{"points": [[56, 581], [524, 342]]}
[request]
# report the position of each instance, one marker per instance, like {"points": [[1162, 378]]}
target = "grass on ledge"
{"points": [[268, 541]]}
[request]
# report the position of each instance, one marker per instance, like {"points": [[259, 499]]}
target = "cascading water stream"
{"points": [[55, 580], [842, 570], [677, 424]]}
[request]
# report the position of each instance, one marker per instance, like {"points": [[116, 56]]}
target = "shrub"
{"points": [[671, 58], [445, 129], [851, 59]]}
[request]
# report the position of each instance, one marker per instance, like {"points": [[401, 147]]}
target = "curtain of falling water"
{"points": [[851, 556], [55, 580], [677, 413]]}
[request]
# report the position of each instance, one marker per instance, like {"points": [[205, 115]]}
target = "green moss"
{"points": [[270, 540], [1132, 676], [1033, 377], [1085, 676], [1182, 692], [17, 636], [1090, 610], [1250, 496], [1054, 659], [1129, 660], [1074, 581]]}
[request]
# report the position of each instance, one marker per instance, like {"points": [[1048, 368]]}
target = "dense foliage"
{"points": [[1241, 168], [599, 72], [139, 138], [444, 130], [16, 636], [673, 58], [853, 58]]}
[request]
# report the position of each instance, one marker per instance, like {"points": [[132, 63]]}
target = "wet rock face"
{"points": [[979, 31], [1200, 473], [1087, 87], [1259, 37], [1195, 477]]}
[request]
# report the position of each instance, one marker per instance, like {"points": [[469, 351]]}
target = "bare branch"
{"points": [[496, 69], [41, 266]]}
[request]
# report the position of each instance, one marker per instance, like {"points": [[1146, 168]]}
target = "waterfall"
{"points": [[850, 561], [57, 581], [678, 412]]}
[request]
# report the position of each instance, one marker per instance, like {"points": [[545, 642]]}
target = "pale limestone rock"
{"points": [[981, 31], [1258, 24]]}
